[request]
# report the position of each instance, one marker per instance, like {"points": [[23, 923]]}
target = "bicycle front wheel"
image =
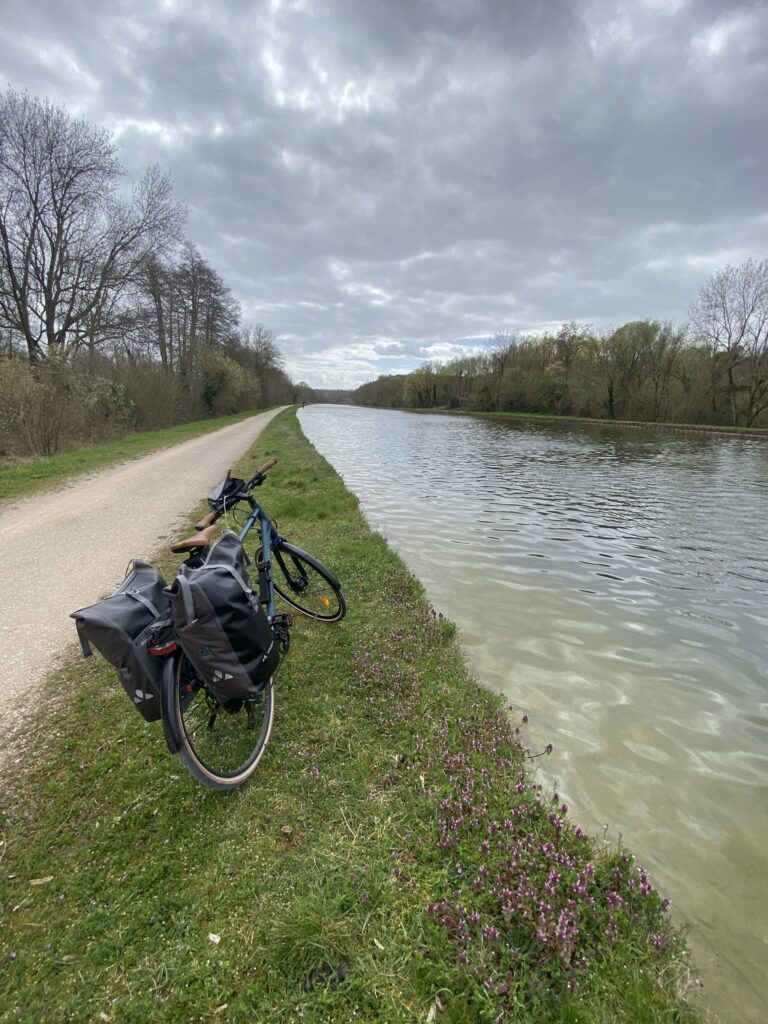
{"points": [[306, 584], [220, 745]]}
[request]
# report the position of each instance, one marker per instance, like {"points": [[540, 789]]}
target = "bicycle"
{"points": [[221, 744]]}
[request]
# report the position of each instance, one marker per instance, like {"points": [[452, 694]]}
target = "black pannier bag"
{"points": [[220, 624], [122, 627]]}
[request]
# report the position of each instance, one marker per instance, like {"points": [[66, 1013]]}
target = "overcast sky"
{"points": [[384, 181]]}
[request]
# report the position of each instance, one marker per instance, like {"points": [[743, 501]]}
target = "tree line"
{"points": [[110, 318], [712, 370]]}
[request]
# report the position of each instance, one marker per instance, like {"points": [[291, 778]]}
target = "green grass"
{"points": [[407, 792], [37, 474]]}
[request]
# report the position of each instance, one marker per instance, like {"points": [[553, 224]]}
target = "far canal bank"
{"points": [[614, 583], [569, 421]]}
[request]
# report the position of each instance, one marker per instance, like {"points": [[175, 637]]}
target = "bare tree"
{"points": [[730, 317], [69, 243], [259, 341], [154, 308], [663, 348], [570, 339], [499, 355]]}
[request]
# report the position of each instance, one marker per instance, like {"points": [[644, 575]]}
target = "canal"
{"points": [[613, 585]]}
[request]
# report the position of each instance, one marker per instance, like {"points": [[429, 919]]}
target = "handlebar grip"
{"points": [[267, 466], [206, 521]]}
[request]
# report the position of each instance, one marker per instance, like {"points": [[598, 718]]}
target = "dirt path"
{"points": [[65, 548]]}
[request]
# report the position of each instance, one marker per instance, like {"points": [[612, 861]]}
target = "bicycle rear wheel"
{"points": [[220, 745], [306, 584]]}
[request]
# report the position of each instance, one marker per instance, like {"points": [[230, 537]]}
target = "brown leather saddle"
{"points": [[199, 540]]}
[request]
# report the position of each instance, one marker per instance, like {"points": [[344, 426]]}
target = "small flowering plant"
{"points": [[527, 899]]}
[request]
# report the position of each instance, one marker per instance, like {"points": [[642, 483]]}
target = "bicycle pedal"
{"points": [[281, 625]]}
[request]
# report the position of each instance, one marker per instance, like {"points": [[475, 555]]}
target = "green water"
{"points": [[614, 585]]}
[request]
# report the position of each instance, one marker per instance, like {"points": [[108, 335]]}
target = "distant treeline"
{"points": [[713, 370], [333, 396], [110, 319]]}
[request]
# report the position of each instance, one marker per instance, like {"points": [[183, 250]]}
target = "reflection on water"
{"points": [[613, 584]]}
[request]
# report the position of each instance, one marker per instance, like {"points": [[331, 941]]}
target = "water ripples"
{"points": [[613, 584]]}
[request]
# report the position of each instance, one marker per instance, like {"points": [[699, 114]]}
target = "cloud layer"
{"points": [[397, 180]]}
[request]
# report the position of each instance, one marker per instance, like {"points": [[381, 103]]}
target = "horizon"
{"points": [[386, 185]]}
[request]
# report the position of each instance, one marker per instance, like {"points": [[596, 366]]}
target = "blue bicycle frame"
{"points": [[268, 533]]}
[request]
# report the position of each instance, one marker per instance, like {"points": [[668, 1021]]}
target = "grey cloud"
{"points": [[416, 172]]}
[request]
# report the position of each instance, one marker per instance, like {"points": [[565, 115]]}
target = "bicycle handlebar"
{"points": [[255, 480], [206, 521]]}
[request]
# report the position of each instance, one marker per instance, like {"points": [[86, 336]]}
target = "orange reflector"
{"points": [[326, 601], [162, 652]]}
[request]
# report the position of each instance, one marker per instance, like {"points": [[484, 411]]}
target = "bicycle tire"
{"points": [[305, 583], [222, 756]]}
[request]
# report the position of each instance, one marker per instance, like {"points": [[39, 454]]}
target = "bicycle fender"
{"points": [[172, 738]]}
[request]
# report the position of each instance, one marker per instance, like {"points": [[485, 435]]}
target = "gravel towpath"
{"points": [[66, 548]]}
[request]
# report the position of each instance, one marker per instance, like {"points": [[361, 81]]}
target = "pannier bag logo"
{"points": [[140, 695], [218, 676]]}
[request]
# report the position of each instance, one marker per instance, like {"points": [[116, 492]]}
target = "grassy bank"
{"points": [[391, 860], [704, 428], [37, 474]]}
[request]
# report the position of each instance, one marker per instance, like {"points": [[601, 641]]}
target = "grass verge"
{"points": [[36, 474], [423, 876]]}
